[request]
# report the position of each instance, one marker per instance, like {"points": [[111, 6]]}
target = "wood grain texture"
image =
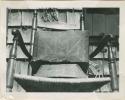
{"points": [[27, 18], [95, 23], [112, 24], [98, 24], [14, 18], [89, 23], [73, 18], [20, 54], [20, 68], [62, 15]]}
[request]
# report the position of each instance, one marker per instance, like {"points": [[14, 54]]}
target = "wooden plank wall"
{"points": [[96, 23]]}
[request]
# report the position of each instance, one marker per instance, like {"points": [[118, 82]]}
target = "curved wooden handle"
{"points": [[21, 43]]}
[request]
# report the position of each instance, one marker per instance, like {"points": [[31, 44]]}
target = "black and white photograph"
{"points": [[63, 50]]}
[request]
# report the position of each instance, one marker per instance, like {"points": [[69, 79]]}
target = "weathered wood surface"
{"points": [[95, 23], [112, 24], [26, 34], [27, 18], [14, 18], [20, 54], [20, 68], [102, 23]]}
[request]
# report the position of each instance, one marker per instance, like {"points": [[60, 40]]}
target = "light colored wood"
{"points": [[20, 54], [10, 66], [27, 17], [113, 69], [21, 67], [73, 18], [14, 18], [62, 80], [62, 16]]}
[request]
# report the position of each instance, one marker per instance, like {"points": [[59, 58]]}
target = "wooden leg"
{"points": [[34, 28], [10, 67], [112, 69]]}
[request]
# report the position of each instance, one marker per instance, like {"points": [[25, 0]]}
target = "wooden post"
{"points": [[34, 28], [82, 20], [10, 67], [112, 69]]}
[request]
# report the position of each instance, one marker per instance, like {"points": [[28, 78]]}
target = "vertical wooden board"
{"points": [[112, 24], [14, 18], [20, 54], [88, 23], [17, 71], [39, 19], [27, 17], [106, 67], [73, 18], [105, 64], [98, 24], [20, 68], [62, 15], [8, 48], [116, 52], [24, 67], [117, 67], [26, 35]]}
